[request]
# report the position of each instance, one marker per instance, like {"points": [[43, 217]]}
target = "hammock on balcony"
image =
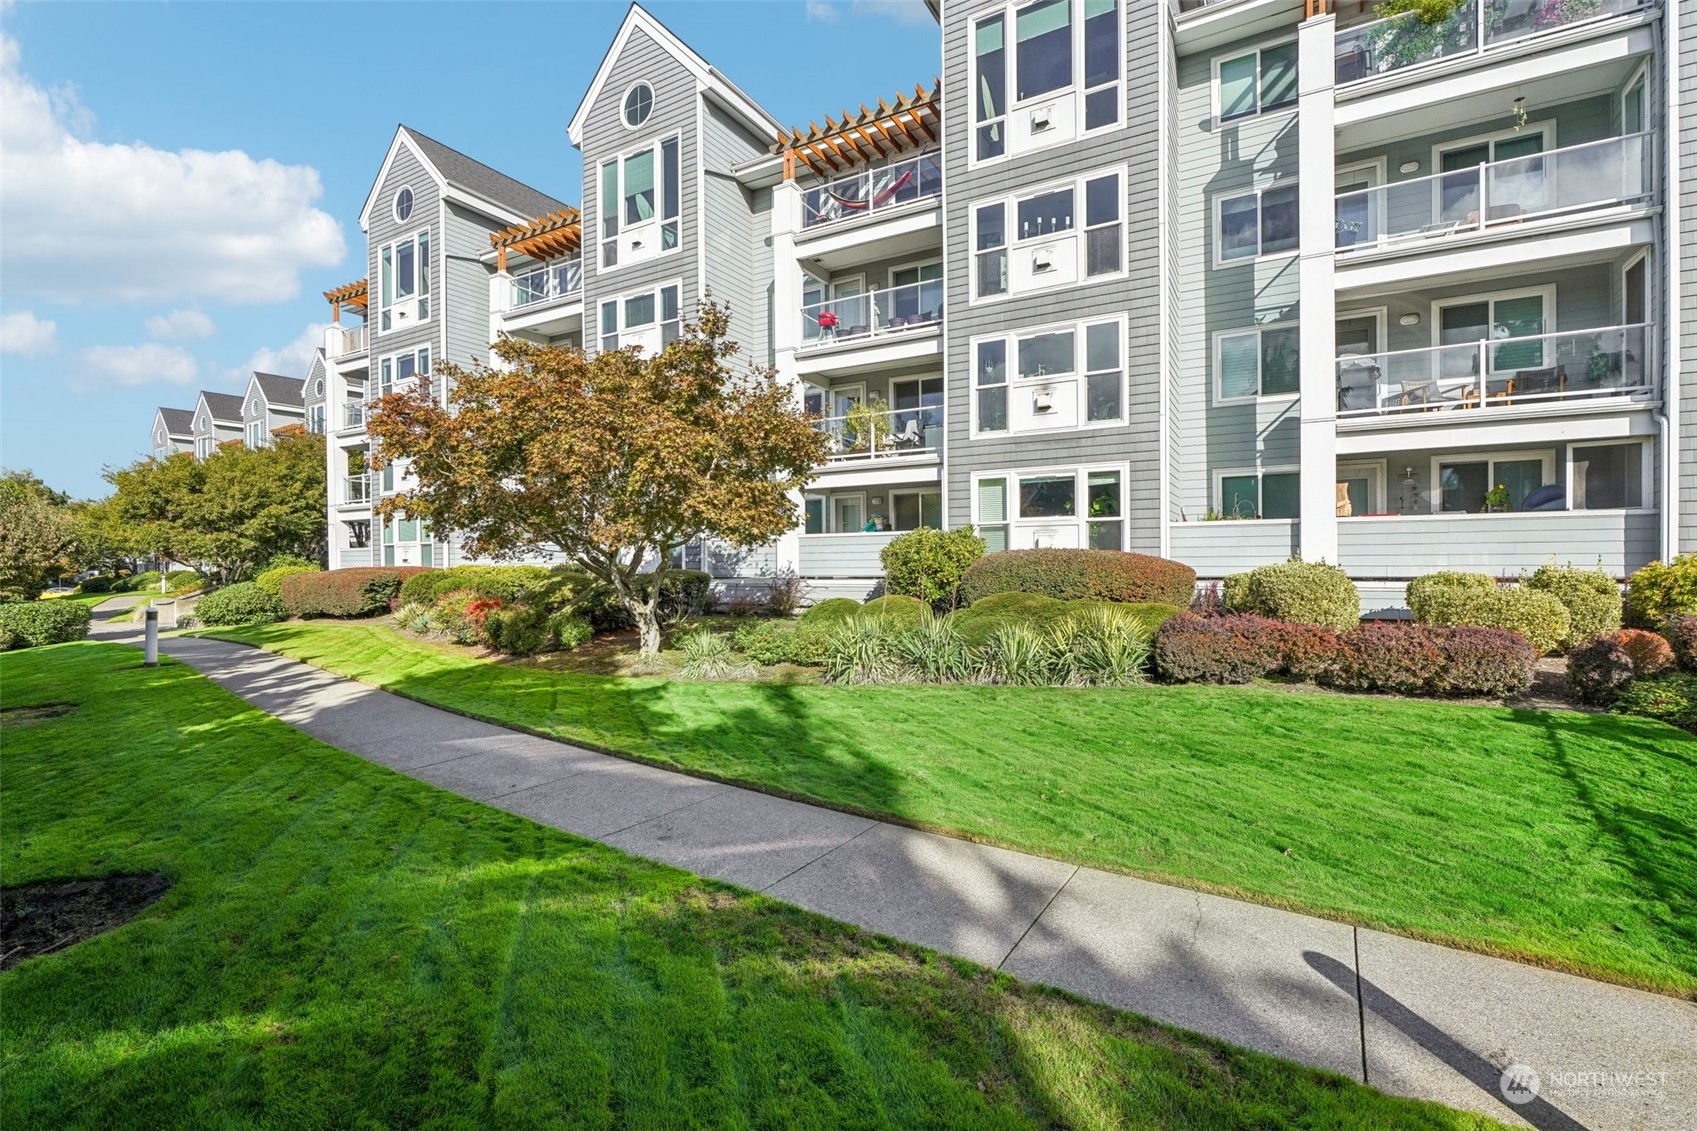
{"points": [[884, 196]]}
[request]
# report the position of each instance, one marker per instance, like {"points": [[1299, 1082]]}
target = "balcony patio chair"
{"points": [[1358, 382], [909, 436], [1525, 382]]}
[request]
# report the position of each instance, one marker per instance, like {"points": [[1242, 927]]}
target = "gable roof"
{"points": [[463, 178], [707, 77], [178, 421], [224, 408], [279, 391]]}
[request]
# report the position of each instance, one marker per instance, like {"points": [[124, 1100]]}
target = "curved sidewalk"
{"points": [[1408, 1017]]}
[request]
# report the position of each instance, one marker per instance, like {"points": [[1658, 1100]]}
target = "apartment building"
{"points": [[271, 402], [172, 432], [1223, 281], [268, 402]]}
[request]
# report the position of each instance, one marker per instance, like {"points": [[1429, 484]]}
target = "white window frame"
{"points": [[916, 265], [1379, 168], [1258, 330], [624, 98], [1257, 191], [1260, 472], [1640, 75], [1081, 498], [1546, 128], [657, 147], [1376, 471], [395, 204], [423, 245], [1632, 261], [1012, 241], [1646, 474], [1259, 111], [831, 511], [204, 446], [619, 301], [1435, 487], [1080, 374], [424, 542], [256, 433], [421, 359], [1075, 89], [1546, 292], [315, 418], [918, 493]]}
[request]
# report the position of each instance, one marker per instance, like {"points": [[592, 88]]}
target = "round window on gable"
{"points": [[403, 204], [639, 103], [318, 389]]}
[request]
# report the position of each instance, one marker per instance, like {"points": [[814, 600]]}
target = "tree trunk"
{"points": [[648, 627]]}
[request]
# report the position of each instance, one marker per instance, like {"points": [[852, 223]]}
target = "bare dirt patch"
{"points": [[39, 713], [44, 917]]}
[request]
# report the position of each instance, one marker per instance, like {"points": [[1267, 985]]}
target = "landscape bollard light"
{"points": [[150, 651]]}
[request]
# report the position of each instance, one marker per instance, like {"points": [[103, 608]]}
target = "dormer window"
{"points": [[640, 204], [639, 103], [403, 205]]}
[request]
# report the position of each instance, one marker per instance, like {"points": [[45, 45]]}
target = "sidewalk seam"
{"points": [[1360, 1004], [1038, 918], [870, 826]]}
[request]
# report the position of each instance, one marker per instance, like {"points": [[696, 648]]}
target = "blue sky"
{"points": [[180, 182]]}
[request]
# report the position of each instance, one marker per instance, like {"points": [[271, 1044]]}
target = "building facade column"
{"points": [[1317, 289], [786, 331]]}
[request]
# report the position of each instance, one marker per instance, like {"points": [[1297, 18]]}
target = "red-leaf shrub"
{"points": [[1071, 575], [1230, 649], [478, 609], [363, 591], [1304, 650], [1482, 661], [1599, 671], [1651, 655], [1399, 658], [1681, 634]]}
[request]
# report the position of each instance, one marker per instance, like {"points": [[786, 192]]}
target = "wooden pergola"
{"points": [[549, 236], [913, 123], [352, 296]]}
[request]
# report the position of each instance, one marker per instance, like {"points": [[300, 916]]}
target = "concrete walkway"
{"points": [[1407, 1017]]}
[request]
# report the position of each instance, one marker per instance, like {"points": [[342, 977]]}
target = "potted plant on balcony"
{"points": [[1433, 29], [866, 426], [1496, 499]]}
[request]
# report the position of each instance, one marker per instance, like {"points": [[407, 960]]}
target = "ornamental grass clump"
{"points": [[707, 655], [933, 651], [1018, 654], [1101, 647], [862, 650]]}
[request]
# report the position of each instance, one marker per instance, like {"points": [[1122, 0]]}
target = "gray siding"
{"points": [[1214, 549], [1686, 202], [1504, 545], [605, 137], [843, 555], [732, 230], [407, 171], [1137, 296], [465, 286]]}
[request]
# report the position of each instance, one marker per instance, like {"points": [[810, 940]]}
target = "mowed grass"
{"points": [[1559, 838], [345, 946]]}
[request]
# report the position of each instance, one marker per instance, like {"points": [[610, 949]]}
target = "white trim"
{"points": [[592, 331], [401, 138], [1220, 399], [1546, 292], [1546, 127], [1380, 467], [916, 265], [1217, 203], [1013, 241], [1642, 256], [1238, 53], [1081, 473], [624, 104], [1080, 373], [919, 492], [844, 496], [1646, 474], [1435, 488], [1259, 472], [657, 146], [421, 275], [1641, 73], [395, 204]]}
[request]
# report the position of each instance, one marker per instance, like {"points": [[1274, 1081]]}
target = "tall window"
{"points": [[1063, 377], [991, 241], [992, 87], [1101, 63], [1043, 48], [1260, 493], [651, 319], [992, 385], [1060, 49], [1044, 248], [1607, 476], [1264, 222], [1102, 226], [1066, 507], [315, 418], [1263, 362], [992, 523], [256, 433], [403, 269], [395, 373], [640, 203], [1519, 317], [1257, 82]]}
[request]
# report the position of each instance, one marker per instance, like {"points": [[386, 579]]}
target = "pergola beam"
{"points": [[860, 139]]}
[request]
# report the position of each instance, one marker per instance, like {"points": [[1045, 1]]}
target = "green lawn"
{"points": [[345, 946], [1555, 837]]}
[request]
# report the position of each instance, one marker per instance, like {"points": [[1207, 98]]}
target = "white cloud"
{"points": [[130, 366], [291, 360], [821, 11], [22, 332], [162, 225], [181, 325]]}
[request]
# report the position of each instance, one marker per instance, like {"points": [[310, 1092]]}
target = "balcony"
{"points": [[353, 414], [356, 489], [1520, 376], [1401, 41], [879, 434], [544, 284], [1561, 183], [873, 192], [352, 343], [878, 314]]}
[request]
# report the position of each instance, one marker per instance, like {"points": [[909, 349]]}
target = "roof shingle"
{"points": [[476, 177]]}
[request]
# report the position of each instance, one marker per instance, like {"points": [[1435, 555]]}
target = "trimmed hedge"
{"points": [[1425, 594], [1681, 634], [1592, 599], [1482, 661], [362, 591], [145, 581], [1536, 615], [929, 564], [833, 610], [247, 602], [1228, 649], [34, 624], [1671, 698], [1298, 592], [272, 579], [1599, 670], [1661, 591], [504, 582], [101, 584], [979, 621], [1651, 655], [899, 611], [1072, 575]]}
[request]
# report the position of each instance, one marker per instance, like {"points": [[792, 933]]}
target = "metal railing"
{"points": [[353, 341], [356, 488], [1499, 373], [554, 280], [894, 310], [1404, 40], [1578, 178], [878, 433], [353, 414], [874, 190]]}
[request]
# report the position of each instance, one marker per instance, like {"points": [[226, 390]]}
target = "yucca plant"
{"points": [[1104, 647], [933, 650], [864, 650], [707, 655], [1019, 654]]}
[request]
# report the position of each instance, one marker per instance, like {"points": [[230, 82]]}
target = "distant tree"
{"points": [[614, 460], [37, 535]]}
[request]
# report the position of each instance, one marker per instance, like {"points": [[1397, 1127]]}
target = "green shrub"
{"points": [[562, 588], [707, 655], [1661, 591], [929, 564], [1234, 592], [766, 642], [291, 561], [517, 630], [145, 582], [451, 616], [246, 602], [362, 591], [1300, 592], [1422, 592], [980, 620], [9, 639], [504, 582], [863, 650], [1592, 599], [902, 612], [832, 611], [1536, 615], [33, 624], [933, 651], [272, 579], [567, 631], [683, 593], [184, 581], [1671, 698], [1152, 615], [102, 584], [1071, 575], [1018, 654]]}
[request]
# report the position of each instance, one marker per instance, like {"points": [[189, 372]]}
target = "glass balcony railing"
{"points": [[1498, 373], [353, 414], [1579, 178], [550, 282], [356, 489], [1405, 40], [869, 192], [876, 433], [353, 341], [894, 310]]}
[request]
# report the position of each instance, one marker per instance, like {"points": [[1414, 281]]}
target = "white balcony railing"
{"points": [[353, 414], [1405, 40], [894, 310], [866, 193], [555, 280], [356, 488], [874, 433], [1577, 179], [1511, 373], [353, 341]]}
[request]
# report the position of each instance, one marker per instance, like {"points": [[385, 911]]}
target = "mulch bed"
{"points": [[44, 917]]}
